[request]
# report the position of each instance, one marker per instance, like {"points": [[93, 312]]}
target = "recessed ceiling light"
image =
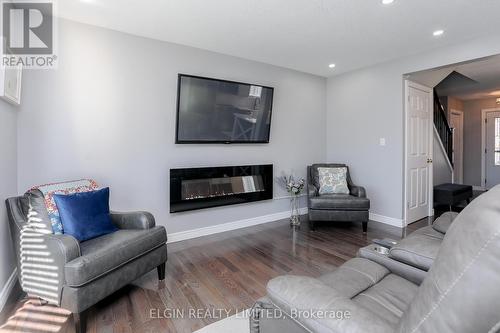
{"points": [[332, 65], [387, 2], [438, 33]]}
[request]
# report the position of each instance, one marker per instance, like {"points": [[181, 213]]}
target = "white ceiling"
{"points": [[305, 35], [481, 79], [486, 73]]}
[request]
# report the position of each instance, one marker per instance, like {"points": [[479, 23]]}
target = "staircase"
{"points": [[443, 129]]}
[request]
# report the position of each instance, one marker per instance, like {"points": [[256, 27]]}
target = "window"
{"points": [[497, 141]]}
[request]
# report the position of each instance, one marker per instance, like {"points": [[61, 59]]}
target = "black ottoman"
{"points": [[452, 194]]}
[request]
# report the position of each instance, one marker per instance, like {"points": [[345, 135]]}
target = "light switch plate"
{"points": [[382, 141]]}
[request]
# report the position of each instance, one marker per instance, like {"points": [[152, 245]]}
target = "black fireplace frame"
{"points": [[177, 204]]}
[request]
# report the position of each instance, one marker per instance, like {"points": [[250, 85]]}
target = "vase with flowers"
{"points": [[294, 188]]}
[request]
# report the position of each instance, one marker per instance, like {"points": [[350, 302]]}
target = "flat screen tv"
{"points": [[220, 111]]}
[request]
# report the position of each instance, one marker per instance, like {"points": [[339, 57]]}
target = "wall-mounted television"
{"points": [[221, 111]]}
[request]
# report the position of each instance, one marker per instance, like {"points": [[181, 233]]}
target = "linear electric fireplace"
{"points": [[197, 188]]}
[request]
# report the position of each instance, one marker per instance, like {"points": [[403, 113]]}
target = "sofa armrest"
{"points": [[358, 191], [60, 249], [416, 250], [443, 222], [406, 271], [133, 220]]}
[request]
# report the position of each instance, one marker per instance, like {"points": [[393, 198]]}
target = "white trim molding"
{"points": [[406, 94], [215, 229], [387, 220], [7, 289], [458, 178], [483, 143]]}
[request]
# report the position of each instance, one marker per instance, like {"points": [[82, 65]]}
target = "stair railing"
{"points": [[442, 127]]}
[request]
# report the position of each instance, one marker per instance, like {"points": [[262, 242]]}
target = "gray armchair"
{"points": [[335, 207], [73, 275]]}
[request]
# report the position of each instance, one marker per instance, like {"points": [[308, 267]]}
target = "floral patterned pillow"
{"points": [[48, 191], [333, 181]]}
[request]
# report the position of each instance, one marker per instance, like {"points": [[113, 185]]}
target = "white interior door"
{"points": [[492, 140], [418, 152], [457, 124]]}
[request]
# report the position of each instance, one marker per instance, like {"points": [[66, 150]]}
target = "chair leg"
{"points": [[161, 272], [312, 226], [365, 226], [80, 322]]}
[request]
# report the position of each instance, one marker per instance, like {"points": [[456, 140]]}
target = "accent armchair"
{"points": [[350, 207], [76, 275]]}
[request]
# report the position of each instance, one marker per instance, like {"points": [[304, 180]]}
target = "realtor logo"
{"points": [[28, 33]]}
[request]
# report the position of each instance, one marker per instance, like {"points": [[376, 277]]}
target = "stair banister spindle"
{"points": [[444, 131]]}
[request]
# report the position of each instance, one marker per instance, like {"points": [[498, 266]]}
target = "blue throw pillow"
{"points": [[85, 215]]}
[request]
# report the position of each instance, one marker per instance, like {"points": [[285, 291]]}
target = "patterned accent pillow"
{"points": [[333, 181], [48, 191]]}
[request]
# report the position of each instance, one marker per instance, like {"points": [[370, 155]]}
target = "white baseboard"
{"points": [[215, 229], [7, 289], [478, 188], [387, 220]]}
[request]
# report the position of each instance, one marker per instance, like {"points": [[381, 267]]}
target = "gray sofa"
{"points": [[413, 256], [73, 275], [460, 292], [350, 207]]}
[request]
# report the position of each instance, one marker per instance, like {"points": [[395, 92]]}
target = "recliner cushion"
{"points": [[354, 276], [340, 291], [104, 254], [339, 202], [389, 298], [416, 250]]}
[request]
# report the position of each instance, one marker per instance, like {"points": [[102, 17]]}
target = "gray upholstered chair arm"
{"points": [[312, 190], [133, 220], [358, 191], [63, 248]]}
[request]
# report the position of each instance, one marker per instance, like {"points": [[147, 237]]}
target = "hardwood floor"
{"points": [[222, 274]]}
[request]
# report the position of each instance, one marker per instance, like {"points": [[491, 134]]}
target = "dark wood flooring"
{"points": [[224, 271]]}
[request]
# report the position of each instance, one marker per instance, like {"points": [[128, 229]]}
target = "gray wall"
{"points": [[8, 186], [472, 138], [367, 104], [108, 113]]}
